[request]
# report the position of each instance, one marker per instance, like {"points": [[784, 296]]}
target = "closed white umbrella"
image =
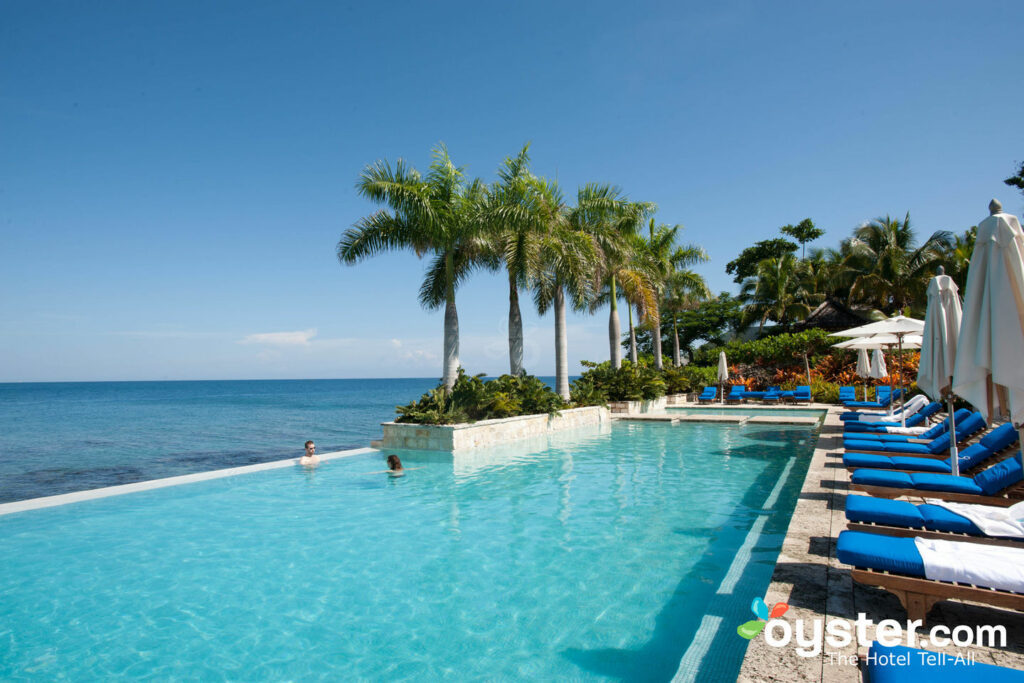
{"points": [[723, 372], [878, 371], [989, 370], [863, 368], [938, 355]]}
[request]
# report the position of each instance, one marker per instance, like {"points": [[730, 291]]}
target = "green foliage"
{"points": [[779, 350], [1018, 179], [711, 322], [602, 383], [688, 378], [745, 265], [824, 392], [473, 399], [803, 232]]}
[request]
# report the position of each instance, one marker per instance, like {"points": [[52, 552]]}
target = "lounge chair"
{"points": [[1002, 484], [847, 394], [736, 394], [916, 419], [930, 433], [802, 394], [882, 399], [936, 448], [775, 395], [971, 458], [898, 565], [708, 395], [927, 520], [898, 664], [913, 405]]}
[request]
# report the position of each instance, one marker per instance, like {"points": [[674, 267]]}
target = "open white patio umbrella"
{"points": [[989, 370], [938, 355], [863, 368], [900, 326], [723, 372]]}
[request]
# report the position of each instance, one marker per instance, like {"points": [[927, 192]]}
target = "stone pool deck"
{"points": [[816, 586]]}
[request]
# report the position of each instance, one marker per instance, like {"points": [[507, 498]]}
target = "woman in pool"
{"points": [[395, 468]]}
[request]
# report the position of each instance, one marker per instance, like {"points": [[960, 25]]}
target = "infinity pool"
{"points": [[631, 553], [737, 411]]}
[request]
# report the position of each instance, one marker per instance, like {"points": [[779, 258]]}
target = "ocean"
{"points": [[63, 437]]}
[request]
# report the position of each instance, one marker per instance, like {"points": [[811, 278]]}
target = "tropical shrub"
{"points": [[688, 378], [602, 383], [778, 350], [473, 399]]}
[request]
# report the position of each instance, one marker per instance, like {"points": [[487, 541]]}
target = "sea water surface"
{"points": [[71, 436]]}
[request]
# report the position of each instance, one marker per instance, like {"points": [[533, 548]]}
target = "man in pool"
{"points": [[310, 458]]}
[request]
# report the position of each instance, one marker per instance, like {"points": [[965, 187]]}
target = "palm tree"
{"points": [[776, 292], [612, 223], [515, 221], [957, 256], [893, 273], [438, 215], [666, 260], [685, 290], [566, 257]]}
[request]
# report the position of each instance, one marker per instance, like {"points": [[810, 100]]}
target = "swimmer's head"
{"points": [[394, 463]]}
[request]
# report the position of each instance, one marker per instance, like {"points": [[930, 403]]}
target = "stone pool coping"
{"points": [[108, 491], [810, 578]]}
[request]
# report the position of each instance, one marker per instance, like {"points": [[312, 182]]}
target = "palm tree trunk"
{"points": [[632, 336], [561, 348], [656, 338], [515, 330], [451, 327], [676, 359], [614, 331]]}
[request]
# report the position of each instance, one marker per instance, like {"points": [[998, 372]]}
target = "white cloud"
{"points": [[300, 338]]}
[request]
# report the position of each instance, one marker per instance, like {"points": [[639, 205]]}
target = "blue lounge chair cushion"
{"points": [[938, 518], [998, 477], [909, 462], [899, 664], [883, 511], [928, 481], [754, 394], [898, 480], [904, 514], [884, 553], [867, 460], [972, 456], [1001, 437], [887, 447], [896, 462]]}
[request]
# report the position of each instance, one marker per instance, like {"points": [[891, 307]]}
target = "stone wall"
{"points": [[634, 407], [488, 432]]}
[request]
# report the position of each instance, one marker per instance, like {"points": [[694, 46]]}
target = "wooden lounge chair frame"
{"points": [[918, 595], [919, 532], [1007, 497]]}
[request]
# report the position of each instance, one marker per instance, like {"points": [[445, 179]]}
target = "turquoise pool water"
{"points": [[744, 412], [602, 556]]}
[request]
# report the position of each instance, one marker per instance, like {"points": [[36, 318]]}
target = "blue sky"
{"points": [[175, 176]]}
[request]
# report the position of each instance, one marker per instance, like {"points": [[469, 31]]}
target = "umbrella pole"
{"points": [[954, 455], [903, 400]]}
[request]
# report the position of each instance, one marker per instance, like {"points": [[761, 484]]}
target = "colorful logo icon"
{"points": [[751, 628]]}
